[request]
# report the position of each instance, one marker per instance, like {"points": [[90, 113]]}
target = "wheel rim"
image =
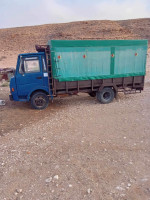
{"points": [[40, 101], [106, 95]]}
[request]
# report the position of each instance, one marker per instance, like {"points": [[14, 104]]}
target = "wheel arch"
{"points": [[37, 90], [113, 86]]}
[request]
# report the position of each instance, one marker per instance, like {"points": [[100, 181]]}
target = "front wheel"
{"points": [[39, 100], [106, 95]]}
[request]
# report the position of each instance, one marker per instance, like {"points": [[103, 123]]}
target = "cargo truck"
{"points": [[101, 68]]}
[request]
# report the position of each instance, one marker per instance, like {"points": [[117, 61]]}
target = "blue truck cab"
{"points": [[31, 78]]}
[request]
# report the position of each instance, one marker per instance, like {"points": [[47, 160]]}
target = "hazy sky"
{"points": [[14, 13]]}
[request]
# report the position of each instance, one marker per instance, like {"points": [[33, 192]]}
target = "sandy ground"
{"points": [[76, 148]]}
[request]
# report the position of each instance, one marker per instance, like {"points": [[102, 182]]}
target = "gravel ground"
{"points": [[76, 149]]}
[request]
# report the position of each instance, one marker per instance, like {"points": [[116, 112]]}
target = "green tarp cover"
{"points": [[97, 59]]}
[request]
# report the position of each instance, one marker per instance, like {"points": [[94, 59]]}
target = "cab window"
{"points": [[29, 65]]}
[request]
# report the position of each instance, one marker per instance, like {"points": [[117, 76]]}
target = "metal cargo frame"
{"points": [[124, 84]]}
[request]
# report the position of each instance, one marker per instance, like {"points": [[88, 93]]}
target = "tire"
{"points": [[92, 94], [106, 95], [39, 100]]}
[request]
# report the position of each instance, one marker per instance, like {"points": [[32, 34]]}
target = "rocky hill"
{"points": [[20, 40], [141, 27]]}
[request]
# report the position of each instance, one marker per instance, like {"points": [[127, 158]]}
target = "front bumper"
{"points": [[11, 97]]}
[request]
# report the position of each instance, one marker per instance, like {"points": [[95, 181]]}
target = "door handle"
{"points": [[39, 77]]}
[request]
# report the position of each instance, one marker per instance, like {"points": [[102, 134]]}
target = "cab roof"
{"points": [[32, 54]]}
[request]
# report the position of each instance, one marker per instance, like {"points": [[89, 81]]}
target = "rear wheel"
{"points": [[39, 100], [106, 95], [92, 94]]}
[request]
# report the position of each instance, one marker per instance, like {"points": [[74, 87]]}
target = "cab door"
{"points": [[29, 75]]}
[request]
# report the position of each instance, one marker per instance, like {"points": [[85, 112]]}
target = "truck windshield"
{"points": [[29, 65]]}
